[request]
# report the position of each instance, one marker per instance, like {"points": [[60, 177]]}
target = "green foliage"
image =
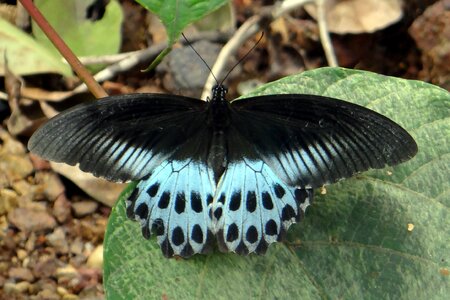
{"points": [[83, 36], [176, 15], [354, 242], [25, 56]]}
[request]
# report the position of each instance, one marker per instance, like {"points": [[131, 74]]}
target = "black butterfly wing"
{"points": [[121, 137], [161, 140], [309, 141]]}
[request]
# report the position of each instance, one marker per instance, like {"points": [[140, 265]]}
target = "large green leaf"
{"points": [[354, 242], [84, 37]]}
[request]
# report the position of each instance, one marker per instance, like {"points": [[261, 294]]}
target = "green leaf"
{"points": [[176, 15], [25, 56], [354, 242], [83, 36]]}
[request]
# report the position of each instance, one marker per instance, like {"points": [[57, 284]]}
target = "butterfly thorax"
{"points": [[218, 121], [218, 109]]}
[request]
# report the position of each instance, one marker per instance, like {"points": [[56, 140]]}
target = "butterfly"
{"points": [[237, 174]]}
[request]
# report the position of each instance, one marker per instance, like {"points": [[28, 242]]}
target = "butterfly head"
{"points": [[218, 93]]}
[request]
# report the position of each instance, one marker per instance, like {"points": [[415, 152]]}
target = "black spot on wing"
{"points": [[252, 234], [271, 227], [279, 190], [180, 203], [287, 213], [232, 233], [235, 201], [267, 200], [218, 213], [301, 195], [196, 202], [197, 234], [251, 201], [158, 227], [142, 211], [130, 202], [209, 199], [177, 236], [164, 200], [153, 189]]}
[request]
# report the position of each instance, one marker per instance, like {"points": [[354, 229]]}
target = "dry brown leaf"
{"points": [[17, 122], [359, 16], [41, 94], [100, 189]]}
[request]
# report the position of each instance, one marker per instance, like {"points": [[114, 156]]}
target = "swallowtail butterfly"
{"points": [[234, 173]]}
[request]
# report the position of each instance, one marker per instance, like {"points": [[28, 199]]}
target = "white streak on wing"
{"points": [[142, 159], [117, 146], [287, 161], [127, 157]]}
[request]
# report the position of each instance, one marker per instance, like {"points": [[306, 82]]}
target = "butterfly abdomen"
{"points": [[217, 156]]}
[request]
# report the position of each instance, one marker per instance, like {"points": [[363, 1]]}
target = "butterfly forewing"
{"points": [[309, 141], [120, 138]]}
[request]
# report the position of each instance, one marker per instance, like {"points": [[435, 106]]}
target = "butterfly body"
{"points": [[218, 121], [237, 173]]}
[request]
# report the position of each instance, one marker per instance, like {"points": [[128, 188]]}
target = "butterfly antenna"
{"points": [[206, 64], [243, 58]]}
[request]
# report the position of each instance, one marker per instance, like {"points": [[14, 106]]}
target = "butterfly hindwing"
{"points": [[256, 207], [309, 141], [172, 204]]}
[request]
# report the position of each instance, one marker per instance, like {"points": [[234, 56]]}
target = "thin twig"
{"points": [[106, 59], [324, 34], [142, 56], [252, 26], [249, 28]]}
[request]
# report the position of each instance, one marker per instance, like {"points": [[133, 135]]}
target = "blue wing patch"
{"points": [[254, 208], [172, 203]]}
